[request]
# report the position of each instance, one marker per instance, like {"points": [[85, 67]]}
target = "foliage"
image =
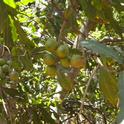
{"points": [[61, 61]]}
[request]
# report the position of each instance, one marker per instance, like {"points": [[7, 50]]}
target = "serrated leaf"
{"points": [[120, 118], [102, 49], [10, 3], [108, 85]]}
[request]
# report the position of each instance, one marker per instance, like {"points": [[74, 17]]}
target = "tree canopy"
{"points": [[61, 61]]}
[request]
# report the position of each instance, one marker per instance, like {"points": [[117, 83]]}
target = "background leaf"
{"points": [[102, 49], [23, 36], [108, 85], [26, 62], [120, 119], [13, 30], [25, 2], [11, 3], [65, 81]]}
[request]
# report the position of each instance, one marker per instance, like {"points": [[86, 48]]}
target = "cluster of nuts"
{"points": [[60, 54], [6, 71]]}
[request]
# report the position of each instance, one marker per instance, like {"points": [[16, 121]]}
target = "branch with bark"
{"points": [[89, 25], [111, 40]]}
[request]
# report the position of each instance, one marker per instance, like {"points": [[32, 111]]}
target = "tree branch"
{"points": [[68, 41], [89, 25], [61, 31], [112, 40], [88, 84]]}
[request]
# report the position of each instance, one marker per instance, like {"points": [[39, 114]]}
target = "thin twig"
{"points": [[111, 40], [7, 48], [88, 84], [3, 51], [86, 118], [68, 118], [76, 42], [61, 30], [5, 105], [68, 41], [3, 102]]}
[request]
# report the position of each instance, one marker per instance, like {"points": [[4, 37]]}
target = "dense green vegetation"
{"points": [[61, 61]]}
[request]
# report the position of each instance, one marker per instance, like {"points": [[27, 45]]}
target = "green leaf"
{"points": [[36, 117], [97, 4], [116, 27], [113, 23], [71, 24], [89, 10], [25, 2], [65, 81], [38, 50], [16, 64], [12, 92], [120, 118], [102, 49], [7, 33], [108, 85], [3, 17], [117, 5], [10, 3], [47, 116], [5, 25], [84, 4], [13, 29], [26, 62], [23, 36]]}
